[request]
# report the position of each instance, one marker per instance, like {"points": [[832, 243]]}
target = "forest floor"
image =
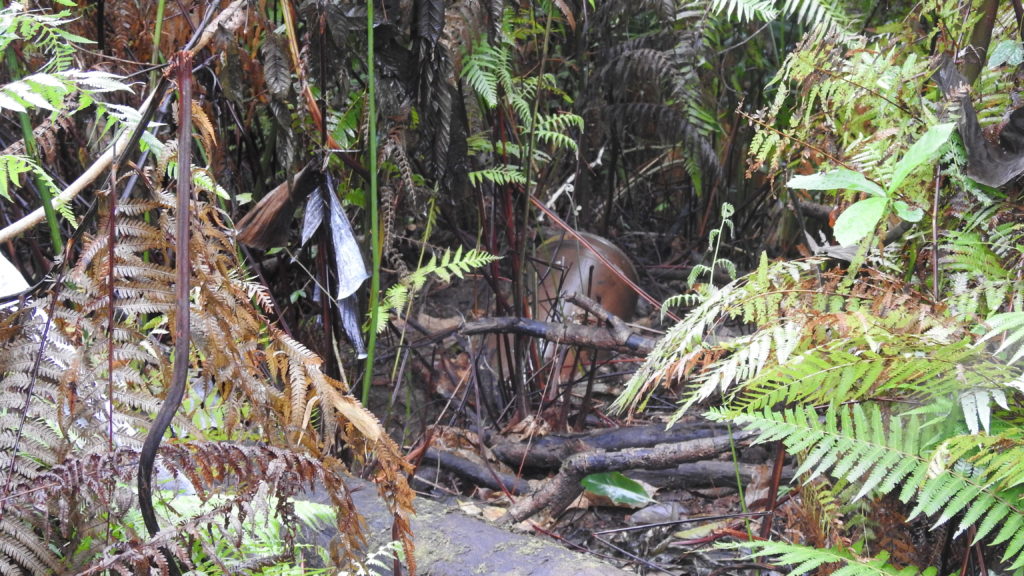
{"points": [[482, 468]]}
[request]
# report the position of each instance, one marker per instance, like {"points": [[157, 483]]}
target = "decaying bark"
{"points": [[558, 492], [549, 452], [613, 335]]}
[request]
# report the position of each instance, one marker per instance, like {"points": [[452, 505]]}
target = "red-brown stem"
{"points": [[182, 65]]}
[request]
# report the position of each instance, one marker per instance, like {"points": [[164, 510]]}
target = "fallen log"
{"points": [[614, 334], [549, 452], [704, 474], [479, 474], [559, 492]]}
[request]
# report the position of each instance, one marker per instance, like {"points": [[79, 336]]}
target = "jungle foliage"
{"points": [[888, 368], [895, 374]]}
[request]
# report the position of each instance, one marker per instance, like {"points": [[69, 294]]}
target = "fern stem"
{"points": [[182, 289], [935, 232], [532, 142], [739, 484], [375, 244], [157, 32]]}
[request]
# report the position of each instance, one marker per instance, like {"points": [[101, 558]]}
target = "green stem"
{"points": [[532, 141], [518, 286], [739, 481], [154, 59], [375, 244], [32, 152]]}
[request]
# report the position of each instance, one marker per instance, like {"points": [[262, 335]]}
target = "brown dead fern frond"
{"points": [[259, 480], [59, 477]]}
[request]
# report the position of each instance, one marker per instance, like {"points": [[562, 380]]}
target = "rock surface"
{"points": [[451, 543]]}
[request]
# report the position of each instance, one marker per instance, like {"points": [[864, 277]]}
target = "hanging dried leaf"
{"points": [[276, 70]]}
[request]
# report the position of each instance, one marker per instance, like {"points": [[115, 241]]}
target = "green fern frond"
{"points": [[203, 180], [853, 369], [480, 72], [555, 139], [967, 252], [817, 13], [500, 175], [805, 559], [559, 122], [746, 10], [1009, 325], [22, 96], [680, 300], [749, 355], [14, 168], [881, 453], [452, 264], [478, 144], [859, 444], [976, 406], [757, 299], [48, 87], [376, 562], [810, 13], [520, 101], [487, 69]]}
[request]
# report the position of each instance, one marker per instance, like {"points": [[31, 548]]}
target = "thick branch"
{"points": [[558, 492], [549, 452], [478, 474], [571, 334], [981, 37]]}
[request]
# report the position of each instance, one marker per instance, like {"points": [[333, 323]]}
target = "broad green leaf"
{"points": [[838, 179], [907, 212], [1006, 52], [920, 152], [859, 220], [617, 488]]}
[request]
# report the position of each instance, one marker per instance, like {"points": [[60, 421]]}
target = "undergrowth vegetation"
{"points": [[887, 368], [90, 355], [886, 363]]}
